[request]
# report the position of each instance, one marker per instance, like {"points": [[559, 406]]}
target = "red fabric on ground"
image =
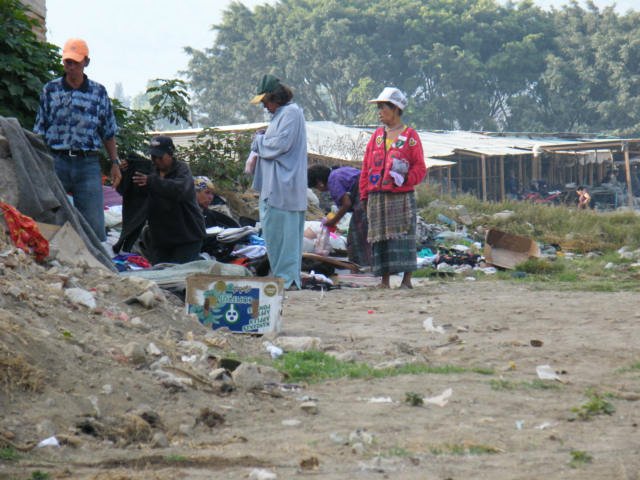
{"points": [[24, 232]]}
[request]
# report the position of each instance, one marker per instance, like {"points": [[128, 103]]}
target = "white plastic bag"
{"points": [[323, 242]]}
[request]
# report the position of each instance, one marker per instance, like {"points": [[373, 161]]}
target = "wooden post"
{"points": [[502, 193], [627, 171], [483, 166], [440, 181], [521, 181], [449, 179], [459, 168]]}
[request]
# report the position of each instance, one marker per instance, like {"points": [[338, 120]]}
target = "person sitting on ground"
{"points": [[584, 198], [207, 197], [176, 224], [343, 184]]}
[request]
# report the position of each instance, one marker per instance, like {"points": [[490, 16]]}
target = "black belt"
{"points": [[76, 153]]}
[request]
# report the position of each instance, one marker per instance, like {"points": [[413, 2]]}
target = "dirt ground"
{"points": [[84, 376]]}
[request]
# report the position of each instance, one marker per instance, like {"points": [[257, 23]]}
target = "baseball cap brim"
{"points": [[76, 57], [157, 152], [257, 99]]}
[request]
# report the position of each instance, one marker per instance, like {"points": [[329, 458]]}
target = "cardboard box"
{"points": [[506, 250], [242, 304]]}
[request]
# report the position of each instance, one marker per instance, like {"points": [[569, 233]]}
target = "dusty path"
{"points": [[504, 425]]}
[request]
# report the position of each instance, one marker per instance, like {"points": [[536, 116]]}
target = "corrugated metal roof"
{"points": [[331, 140]]}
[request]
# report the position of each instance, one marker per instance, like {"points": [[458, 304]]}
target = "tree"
{"points": [[26, 63]]}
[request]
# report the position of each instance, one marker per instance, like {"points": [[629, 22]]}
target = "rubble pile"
{"points": [[88, 358]]}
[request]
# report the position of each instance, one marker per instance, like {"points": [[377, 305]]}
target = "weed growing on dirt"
{"points": [[9, 454], [464, 449], [537, 384], [573, 230], [396, 452], [38, 475], [539, 266], [175, 459], [596, 405], [578, 457], [16, 373], [314, 366], [631, 368], [414, 399]]}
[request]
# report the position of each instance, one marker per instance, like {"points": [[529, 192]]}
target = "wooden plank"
{"points": [[627, 171], [483, 166], [502, 192]]}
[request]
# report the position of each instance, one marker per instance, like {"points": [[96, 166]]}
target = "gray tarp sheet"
{"points": [[40, 194], [175, 276]]}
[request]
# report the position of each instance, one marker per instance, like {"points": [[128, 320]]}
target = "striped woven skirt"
{"points": [[397, 254]]}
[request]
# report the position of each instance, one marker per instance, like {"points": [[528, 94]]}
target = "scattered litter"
{"points": [[536, 343], [262, 474], [189, 358], [370, 312], [80, 296], [274, 351], [545, 425], [291, 422], [49, 442], [519, 424], [440, 400], [428, 326], [380, 400], [545, 372], [337, 438]]}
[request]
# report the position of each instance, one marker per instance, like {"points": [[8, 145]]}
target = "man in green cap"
{"points": [[281, 179]]}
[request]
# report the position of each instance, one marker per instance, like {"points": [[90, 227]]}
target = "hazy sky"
{"points": [[133, 41]]}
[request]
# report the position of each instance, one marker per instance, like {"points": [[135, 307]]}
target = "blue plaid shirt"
{"points": [[75, 119]]}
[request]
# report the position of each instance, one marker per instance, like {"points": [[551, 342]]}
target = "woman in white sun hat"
{"points": [[393, 165]]}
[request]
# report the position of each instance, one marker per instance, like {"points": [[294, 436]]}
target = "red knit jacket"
{"points": [[378, 162]]}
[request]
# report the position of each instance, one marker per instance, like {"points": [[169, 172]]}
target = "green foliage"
{"points": [[39, 475], [414, 399], [537, 384], [578, 457], [26, 63], [470, 64], [9, 454], [313, 366], [169, 100], [539, 266], [175, 459], [575, 231], [132, 137], [464, 449], [596, 405], [219, 156]]}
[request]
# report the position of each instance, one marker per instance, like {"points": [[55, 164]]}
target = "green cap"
{"points": [[267, 85]]}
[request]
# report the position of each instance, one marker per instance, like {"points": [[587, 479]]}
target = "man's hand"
{"points": [[116, 176], [140, 179]]}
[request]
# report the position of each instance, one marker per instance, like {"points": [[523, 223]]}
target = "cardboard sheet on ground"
{"points": [[244, 305], [67, 246], [506, 250], [336, 262]]}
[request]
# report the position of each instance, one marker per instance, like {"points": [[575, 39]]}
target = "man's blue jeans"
{"points": [[82, 179]]}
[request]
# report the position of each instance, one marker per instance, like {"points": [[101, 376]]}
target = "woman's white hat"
{"points": [[392, 95]]}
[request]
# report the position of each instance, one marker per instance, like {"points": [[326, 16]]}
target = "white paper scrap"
{"points": [[440, 400], [545, 372], [428, 326], [49, 442]]}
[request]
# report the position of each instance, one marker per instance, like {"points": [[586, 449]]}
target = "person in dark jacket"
{"points": [[134, 202], [176, 224]]}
